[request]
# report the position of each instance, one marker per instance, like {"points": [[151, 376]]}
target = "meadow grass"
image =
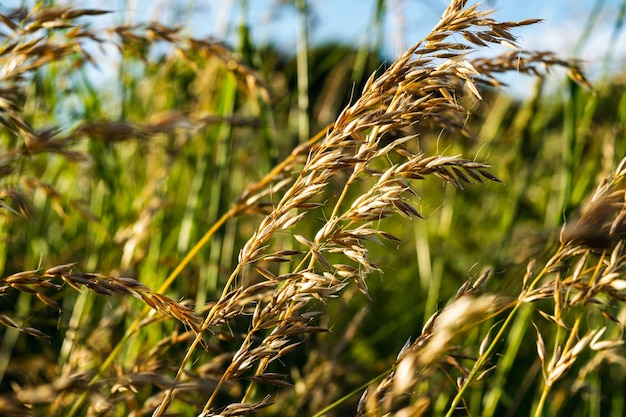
{"points": [[177, 241]]}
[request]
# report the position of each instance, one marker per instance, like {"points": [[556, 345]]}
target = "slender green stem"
{"points": [[303, 70], [354, 392], [478, 366], [542, 401]]}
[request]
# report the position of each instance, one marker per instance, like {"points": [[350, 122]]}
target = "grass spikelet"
{"points": [[252, 270]]}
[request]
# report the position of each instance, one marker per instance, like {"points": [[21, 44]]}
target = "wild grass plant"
{"points": [[176, 242]]}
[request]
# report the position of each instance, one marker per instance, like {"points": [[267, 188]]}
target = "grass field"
{"points": [[190, 228]]}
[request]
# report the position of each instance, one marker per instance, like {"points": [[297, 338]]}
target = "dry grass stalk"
{"points": [[427, 85], [575, 293], [435, 348], [603, 220], [56, 35], [422, 86], [594, 245], [37, 282]]}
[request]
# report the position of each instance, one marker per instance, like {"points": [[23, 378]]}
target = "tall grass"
{"points": [[174, 241]]}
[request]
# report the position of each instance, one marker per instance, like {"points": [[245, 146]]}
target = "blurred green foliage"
{"points": [[129, 203]]}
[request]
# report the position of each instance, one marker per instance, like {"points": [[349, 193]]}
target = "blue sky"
{"points": [[350, 21], [407, 21]]}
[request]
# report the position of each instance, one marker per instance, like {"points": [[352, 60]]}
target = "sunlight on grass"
{"points": [[236, 231]]}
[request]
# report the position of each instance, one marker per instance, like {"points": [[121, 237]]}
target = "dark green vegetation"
{"points": [[178, 239]]}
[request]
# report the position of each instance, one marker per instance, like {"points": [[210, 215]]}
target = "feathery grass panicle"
{"points": [[410, 91], [128, 190]]}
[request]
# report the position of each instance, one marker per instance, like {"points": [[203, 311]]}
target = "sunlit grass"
{"points": [[231, 231]]}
